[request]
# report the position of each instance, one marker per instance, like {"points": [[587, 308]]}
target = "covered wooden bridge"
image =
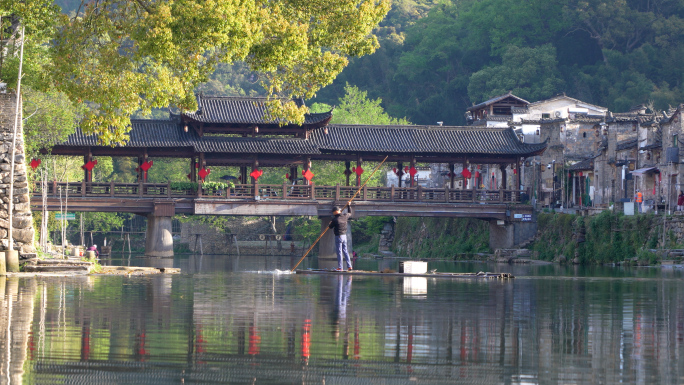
{"points": [[230, 131]]}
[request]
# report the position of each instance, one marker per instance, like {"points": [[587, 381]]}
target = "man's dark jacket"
{"points": [[339, 222]]}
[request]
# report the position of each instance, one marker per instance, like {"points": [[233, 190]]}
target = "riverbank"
{"points": [[606, 238]]}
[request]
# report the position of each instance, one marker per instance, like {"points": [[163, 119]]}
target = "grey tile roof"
{"points": [[587, 164], [257, 145], [496, 99], [626, 144], [652, 146], [242, 110], [348, 138], [144, 133], [423, 139], [170, 134]]}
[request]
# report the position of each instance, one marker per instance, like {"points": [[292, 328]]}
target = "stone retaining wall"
{"points": [[23, 232]]}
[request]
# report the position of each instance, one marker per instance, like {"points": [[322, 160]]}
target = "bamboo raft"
{"points": [[485, 275]]}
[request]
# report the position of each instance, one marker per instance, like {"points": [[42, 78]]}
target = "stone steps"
{"points": [[56, 269], [57, 266]]}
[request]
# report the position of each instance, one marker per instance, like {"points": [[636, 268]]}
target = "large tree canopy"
{"points": [[616, 53], [117, 57]]}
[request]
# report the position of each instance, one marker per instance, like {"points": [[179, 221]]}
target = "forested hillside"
{"points": [[433, 64]]}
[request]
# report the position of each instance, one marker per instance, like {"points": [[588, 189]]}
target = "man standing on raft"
{"points": [[339, 225]]}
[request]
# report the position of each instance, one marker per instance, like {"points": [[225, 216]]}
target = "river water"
{"points": [[228, 320]]}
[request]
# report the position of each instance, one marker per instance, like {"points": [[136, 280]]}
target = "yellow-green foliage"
{"points": [[440, 237], [608, 237]]}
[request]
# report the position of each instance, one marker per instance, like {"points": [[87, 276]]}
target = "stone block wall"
{"points": [[23, 232]]}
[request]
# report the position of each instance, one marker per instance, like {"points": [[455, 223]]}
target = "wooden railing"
{"points": [[280, 192]]}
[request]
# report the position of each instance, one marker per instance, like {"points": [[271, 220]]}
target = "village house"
{"points": [[595, 158]]}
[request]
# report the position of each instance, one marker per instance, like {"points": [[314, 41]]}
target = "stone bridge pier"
{"points": [[327, 256], [159, 239], [507, 235]]}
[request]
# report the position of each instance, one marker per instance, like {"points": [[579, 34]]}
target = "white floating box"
{"points": [[413, 267]]}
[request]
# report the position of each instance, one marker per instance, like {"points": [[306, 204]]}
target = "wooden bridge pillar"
{"points": [[452, 176], [159, 241], [400, 172]]}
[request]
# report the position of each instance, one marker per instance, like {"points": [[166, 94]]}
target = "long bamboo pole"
{"points": [[345, 206]]}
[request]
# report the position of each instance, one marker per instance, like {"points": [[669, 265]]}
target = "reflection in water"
{"points": [[224, 326]]}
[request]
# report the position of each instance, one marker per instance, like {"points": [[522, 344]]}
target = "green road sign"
{"points": [[67, 216]]}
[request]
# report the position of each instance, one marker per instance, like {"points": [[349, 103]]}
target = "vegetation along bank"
{"points": [[605, 238]]}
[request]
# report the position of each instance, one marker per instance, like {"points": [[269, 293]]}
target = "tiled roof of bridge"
{"points": [[167, 133], [256, 145], [422, 139], [144, 133], [242, 110], [355, 138]]}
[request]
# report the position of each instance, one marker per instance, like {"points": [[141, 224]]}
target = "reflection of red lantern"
{"points": [[189, 176], [307, 174], [477, 174], [256, 174], [35, 163]]}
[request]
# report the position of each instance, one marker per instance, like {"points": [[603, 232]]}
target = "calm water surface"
{"points": [[223, 322]]}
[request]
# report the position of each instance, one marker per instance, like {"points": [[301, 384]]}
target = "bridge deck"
{"points": [[282, 200]]}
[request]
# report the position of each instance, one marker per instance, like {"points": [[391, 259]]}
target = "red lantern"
{"points": [[307, 174], [145, 166], [477, 174], [580, 173], [203, 173], [35, 163], [394, 170], [287, 176], [515, 171], [189, 176], [412, 171], [89, 166], [358, 170], [256, 174], [466, 173]]}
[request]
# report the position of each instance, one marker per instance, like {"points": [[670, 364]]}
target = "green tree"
{"points": [[49, 117], [38, 18], [123, 56], [531, 73]]}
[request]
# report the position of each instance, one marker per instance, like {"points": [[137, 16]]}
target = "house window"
{"points": [[584, 134]]}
